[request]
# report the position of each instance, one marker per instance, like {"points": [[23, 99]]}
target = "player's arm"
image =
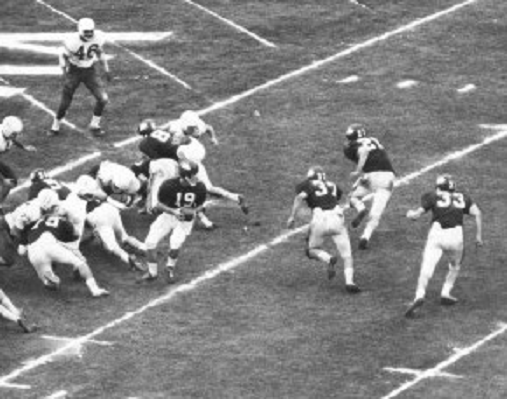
{"points": [[414, 214], [63, 59], [476, 212], [362, 153], [102, 56], [24, 147], [298, 203], [211, 133]]}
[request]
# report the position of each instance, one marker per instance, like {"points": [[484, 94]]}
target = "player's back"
{"points": [[59, 227], [158, 144], [322, 194], [448, 208], [176, 193]]}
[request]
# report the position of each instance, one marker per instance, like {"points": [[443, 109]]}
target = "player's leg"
{"points": [[39, 255], [180, 233], [316, 237], [8, 180], [8, 251], [360, 189], [96, 86], [12, 313], [342, 242], [72, 81], [455, 255], [160, 228], [130, 243], [202, 175], [380, 200]]}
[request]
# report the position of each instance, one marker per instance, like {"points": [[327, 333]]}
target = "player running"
{"points": [[374, 176], [448, 207], [322, 197]]}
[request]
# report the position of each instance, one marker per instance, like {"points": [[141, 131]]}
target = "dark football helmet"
{"points": [[355, 131], [445, 182], [146, 127], [38, 174]]}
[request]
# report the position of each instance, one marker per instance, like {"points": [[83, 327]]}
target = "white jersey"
{"points": [[5, 144], [118, 178], [83, 54], [25, 214], [193, 151], [177, 129]]}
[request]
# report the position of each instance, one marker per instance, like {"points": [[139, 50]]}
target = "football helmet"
{"points": [[38, 174], [355, 131], [26, 214], [146, 127], [86, 28], [11, 126], [191, 123], [445, 182], [316, 173], [188, 169], [48, 199]]}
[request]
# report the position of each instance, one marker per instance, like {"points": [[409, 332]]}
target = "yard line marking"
{"points": [[404, 370], [318, 64], [130, 52], [210, 274], [58, 395], [233, 24], [446, 363]]}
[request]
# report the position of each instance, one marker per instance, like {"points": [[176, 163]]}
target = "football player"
{"points": [[10, 128], [39, 180], [448, 207], [78, 59], [179, 200], [189, 124], [374, 176], [322, 197], [44, 248], [13, 313]]}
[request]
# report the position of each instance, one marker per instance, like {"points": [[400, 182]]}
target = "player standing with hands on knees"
{"points": [[448, 206], [78, 60]]}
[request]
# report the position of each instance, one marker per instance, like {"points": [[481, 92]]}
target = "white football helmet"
{"points": [[86, 28], [192, 124], [48, 199], [11, 126], [26, 214], [193, 151]]}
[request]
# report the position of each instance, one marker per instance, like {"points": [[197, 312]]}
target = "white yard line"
{"points": [[437, 370], [233, 24], [150, 63]]}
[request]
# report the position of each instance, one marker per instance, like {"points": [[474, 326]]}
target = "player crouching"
{"points": [[45, 246]]}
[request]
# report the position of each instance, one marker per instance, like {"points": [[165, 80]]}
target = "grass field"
{"points": [[251, 316]]}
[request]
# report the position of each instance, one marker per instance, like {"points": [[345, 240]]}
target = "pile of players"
{"points": [[170, 182]]}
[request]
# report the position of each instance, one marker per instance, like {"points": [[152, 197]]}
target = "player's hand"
{"points": [[291, 222], [214, 141], [30, 148], [412, 214], [478, 242]]}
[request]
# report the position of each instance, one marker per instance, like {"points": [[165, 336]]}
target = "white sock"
{"points": [[95, 123], [152, 269], [56, 125], [92, 285]]}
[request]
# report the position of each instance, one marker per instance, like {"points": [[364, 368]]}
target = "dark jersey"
{"points": [[158, 144], [377, 159], [177, 193], [447, 208], [61, 229], [141, 169], [37, 186], [320, 193]]}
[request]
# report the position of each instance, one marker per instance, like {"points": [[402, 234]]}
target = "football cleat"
{"points": [[97, 131], [243, 205], [100, 293], [410, 312], [27, 329], [52, 133], [169, 275], [363, 244], [448, 300], [352, 289], [146, 278], [359, 218], [331, 267]]}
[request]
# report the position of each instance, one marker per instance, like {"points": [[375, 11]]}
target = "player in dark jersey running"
{"points": [[374, 176], [179, 200], [448, 207], [322, 197]]}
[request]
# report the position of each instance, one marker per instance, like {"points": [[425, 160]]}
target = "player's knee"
{"points": [[174, 253]]}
